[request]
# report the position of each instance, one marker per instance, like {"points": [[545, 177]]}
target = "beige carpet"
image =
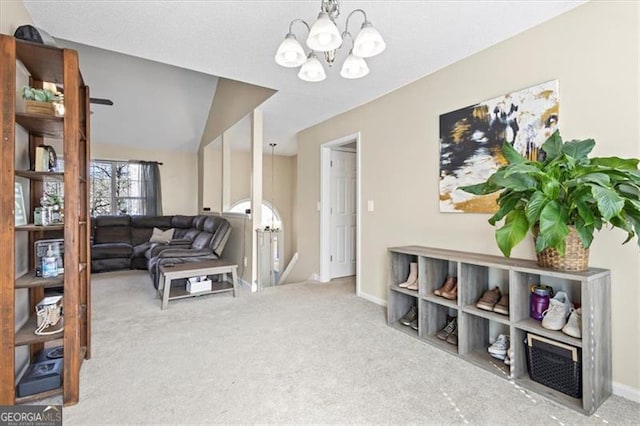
{"points": [[301, 353]]}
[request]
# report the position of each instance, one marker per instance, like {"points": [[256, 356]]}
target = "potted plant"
{"points": [[40, 101], [563, 199]]}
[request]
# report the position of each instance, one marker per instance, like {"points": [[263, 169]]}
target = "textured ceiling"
{"points": [[238, 40]]}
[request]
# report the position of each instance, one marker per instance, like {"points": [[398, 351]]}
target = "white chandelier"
{"points": [[325, 37]]}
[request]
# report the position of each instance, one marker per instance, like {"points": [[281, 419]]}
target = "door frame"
{"points": [[325, 201]]}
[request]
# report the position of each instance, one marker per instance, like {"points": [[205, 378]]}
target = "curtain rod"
{"points": [[130, 161], [159, 163]]}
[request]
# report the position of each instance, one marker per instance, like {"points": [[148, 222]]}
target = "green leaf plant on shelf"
{"points": [[39, 95], [562, 199]]}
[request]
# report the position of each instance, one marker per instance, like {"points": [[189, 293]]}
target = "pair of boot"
{"points": [[412, 280], [449, 289]]}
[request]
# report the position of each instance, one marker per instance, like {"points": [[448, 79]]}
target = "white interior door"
{"points": [[342, 223]]}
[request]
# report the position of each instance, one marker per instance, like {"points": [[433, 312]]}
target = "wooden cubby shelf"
{"points": [[26, 335], [30, 174], [34, 64], [29, 280], [478, 329], [41, 125], [39, 228]]}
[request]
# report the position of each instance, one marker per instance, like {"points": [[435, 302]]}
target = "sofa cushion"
{"points": [[160, 236], [112, 229], [183, 222], [142, 227], [111, 251], [202, 240]]}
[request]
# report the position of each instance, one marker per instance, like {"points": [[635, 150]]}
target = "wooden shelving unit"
{"points": [[60, 66], [477, 328]]}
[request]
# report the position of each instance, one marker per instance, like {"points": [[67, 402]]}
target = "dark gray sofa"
{"points": [[122, 242]]}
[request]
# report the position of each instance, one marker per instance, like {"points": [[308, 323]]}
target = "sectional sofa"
{"points": [[122, 242]]}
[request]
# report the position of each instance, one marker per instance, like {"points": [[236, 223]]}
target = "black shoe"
{"points": [[410, 316]]}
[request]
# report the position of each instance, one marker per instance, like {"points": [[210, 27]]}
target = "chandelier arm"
{"points": [[299, 20], [344, 34], [346, 24]]}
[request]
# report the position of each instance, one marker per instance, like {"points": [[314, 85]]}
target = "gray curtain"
{"points": [[151, 190]]}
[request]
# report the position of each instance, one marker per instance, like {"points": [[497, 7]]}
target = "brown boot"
{"points": [[502, 307], [447, 286], [451, 294]]}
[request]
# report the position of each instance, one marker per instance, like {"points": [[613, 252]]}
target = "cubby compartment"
{"points": [[522, 283], [398, 304], [475, 281], [433, 318], [476, 334], [436, 272], [400, 270]]}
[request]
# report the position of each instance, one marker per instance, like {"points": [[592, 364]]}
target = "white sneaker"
{"points": [[499, 347], [574, 324], [555, 317]]}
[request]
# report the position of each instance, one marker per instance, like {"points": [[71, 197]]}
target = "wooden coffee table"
{"points": [[169, 273]]}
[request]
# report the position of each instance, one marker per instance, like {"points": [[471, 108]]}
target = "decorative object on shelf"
{"points": [[41, 250], [20, 213], [565, 189], [471, 140], [41, 101], [49, 314], [46, 159], [325, 37]]}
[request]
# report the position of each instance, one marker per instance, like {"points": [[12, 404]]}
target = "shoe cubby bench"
{"points": [[477, 329]]}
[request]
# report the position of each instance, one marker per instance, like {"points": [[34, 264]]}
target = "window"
{"points": [[268, 213], [116, 188]]}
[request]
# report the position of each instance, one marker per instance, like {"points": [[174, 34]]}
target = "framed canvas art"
{"points": [[471, 141]]}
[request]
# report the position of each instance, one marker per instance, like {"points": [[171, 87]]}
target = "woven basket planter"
{"points": [[576, 257]]}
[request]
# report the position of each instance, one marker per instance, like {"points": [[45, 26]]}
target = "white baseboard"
{"points": [[626, 392], [314, 277], [374, 299]]}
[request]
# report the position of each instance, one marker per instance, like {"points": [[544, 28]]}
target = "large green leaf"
{"points": [[629, 190], [601, 179], [553, 225], [553, 146], [578, 149], [518, 182], [479, 188], [585, 232], [609, 202], [585, 213], [514, 230], [524, 168], [507, 204], [511, 155], [616, 162], [535, 205]]}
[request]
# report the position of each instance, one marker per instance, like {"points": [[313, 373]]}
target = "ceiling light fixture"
{"points": [[325, 37]]}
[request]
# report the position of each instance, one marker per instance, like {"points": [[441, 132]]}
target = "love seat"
{"points": [[122, 242]]}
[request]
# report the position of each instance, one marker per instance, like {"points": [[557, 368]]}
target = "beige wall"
{"points": [[232, 101], [179, 177], [593, 52], [212, 176], [284, 184]]}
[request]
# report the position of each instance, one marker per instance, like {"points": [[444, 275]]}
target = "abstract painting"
{"points": [[471, 141]]}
